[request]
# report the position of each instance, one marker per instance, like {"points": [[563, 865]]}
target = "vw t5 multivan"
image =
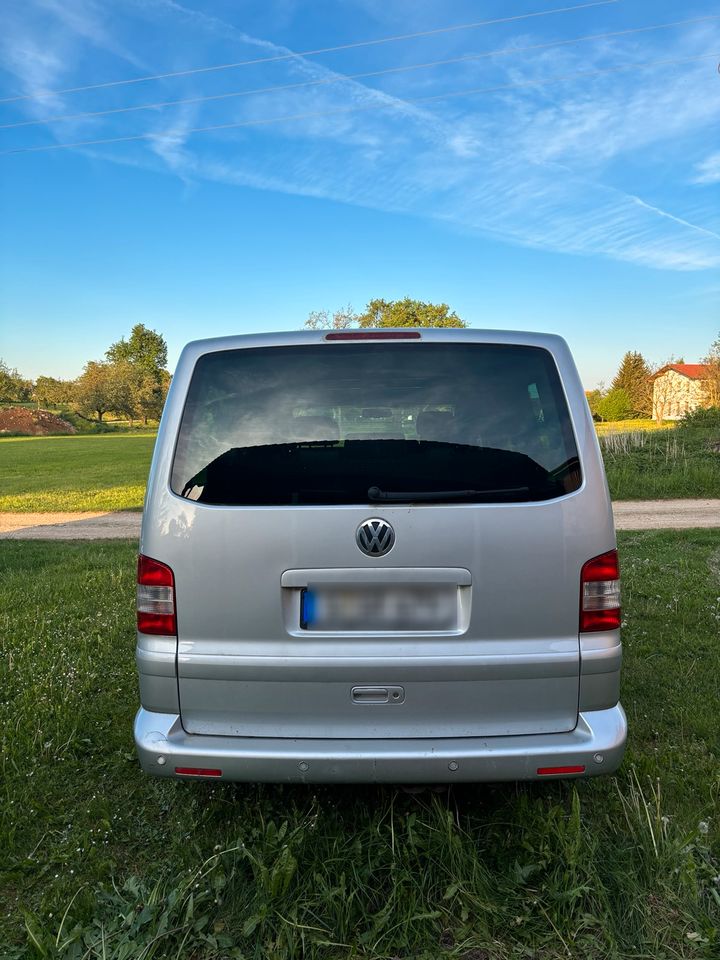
{"points": [[378, 555]]}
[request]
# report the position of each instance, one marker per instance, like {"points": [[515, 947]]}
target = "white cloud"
{"points": [[528, 166], [708, 170]]}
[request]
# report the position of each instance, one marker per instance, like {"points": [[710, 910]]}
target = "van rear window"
{"points": [[342, 423]]}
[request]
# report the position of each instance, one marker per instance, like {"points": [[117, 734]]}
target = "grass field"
{"points": [[108, 472], [644, 465], [632, 426], [97, 860], [104, 472]]}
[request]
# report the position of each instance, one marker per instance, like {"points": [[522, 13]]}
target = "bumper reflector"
{"points": [[557, 771], [198, 772]]}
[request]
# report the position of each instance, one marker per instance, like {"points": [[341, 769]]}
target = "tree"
{"points": [[122, 377], [13, 387], [712, 387], [140, 379], [408, 313], [387, 313], [93, 392], [340, 320], [48, 390], [149, 395], [594, 399], [633, 377], [615, 405], [145, 349]]}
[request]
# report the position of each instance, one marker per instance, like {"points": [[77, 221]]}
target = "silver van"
{"points": [[378, 555]]}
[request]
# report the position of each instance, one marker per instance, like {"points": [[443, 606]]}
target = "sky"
{"points": [[557, 169]]}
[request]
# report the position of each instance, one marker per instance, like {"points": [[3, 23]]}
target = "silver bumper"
{"points": [[597, 743]]}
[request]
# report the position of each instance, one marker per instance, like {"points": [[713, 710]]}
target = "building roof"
{"points": [[693, 371]]}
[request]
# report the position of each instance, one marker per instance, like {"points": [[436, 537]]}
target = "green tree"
{"points": [[93, 390], [408, 313], [387, 313], [149, 395], [13, 387], [140, 378], [54, 392], [615, 405], [633, 377], [145, 349], [594, 399], [122, 378]]}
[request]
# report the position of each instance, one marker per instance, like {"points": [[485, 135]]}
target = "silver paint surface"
{"points": [[514, 680]]}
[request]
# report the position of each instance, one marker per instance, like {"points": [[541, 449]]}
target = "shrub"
{"points": [[615, 405], [708, 417]]}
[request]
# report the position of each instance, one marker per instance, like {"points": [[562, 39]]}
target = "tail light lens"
{"points": [[600, 593], [374, 335], [155, 598]]}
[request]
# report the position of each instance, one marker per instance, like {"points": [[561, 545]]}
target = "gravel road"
{"points": [[119, 525], [125, 524]]}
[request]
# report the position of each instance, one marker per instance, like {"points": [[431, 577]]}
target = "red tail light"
{"points": [[155, 598], [600, 593]]}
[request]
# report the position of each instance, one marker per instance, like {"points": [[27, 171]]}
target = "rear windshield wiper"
{"points": [[376, 494]]}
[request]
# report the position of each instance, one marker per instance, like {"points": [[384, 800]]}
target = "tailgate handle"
{"points": [[378, 694]]}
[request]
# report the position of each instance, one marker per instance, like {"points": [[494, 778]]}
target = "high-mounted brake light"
{"points": [[374, 335], [600, 593], [155, 598]]}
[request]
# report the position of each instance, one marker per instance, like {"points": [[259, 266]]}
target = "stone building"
{"points": [[679, 388]]}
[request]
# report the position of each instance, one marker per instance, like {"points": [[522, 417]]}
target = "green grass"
{"points": [[645, 465], [98, 860], [103, 472], [109, 471]]}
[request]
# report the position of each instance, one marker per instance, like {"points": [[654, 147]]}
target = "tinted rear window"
{"points": [[364, 422]]}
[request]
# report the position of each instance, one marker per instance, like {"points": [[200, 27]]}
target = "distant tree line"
{"points": [[14, 388], [131, 382]]}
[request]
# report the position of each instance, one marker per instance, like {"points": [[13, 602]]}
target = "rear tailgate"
{"points": [[509, 663], [247, 668]]}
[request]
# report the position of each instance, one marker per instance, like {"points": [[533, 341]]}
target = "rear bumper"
{"points": [[597, 743]]}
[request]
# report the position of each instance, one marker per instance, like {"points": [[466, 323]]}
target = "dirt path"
{"points": [[119, 525], [125, 524], [666, 514]]}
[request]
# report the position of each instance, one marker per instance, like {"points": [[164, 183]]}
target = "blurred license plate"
{"points": [[400, 607]]}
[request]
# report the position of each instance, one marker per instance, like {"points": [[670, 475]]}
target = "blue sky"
{"points": [[588, 206]]}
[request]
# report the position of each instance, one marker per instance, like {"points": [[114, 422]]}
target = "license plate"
{"points": [[417, 607]]}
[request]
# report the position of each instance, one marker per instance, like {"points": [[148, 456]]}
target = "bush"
{"points": [[708, 417], [615, 405], [594, 399]]}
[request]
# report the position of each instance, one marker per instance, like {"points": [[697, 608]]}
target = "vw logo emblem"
{"points": [[375, 537]]}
